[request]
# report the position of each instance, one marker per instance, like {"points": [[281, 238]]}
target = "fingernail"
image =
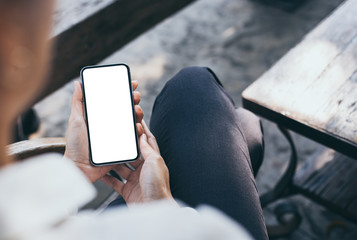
{"points": [[144, 136]]}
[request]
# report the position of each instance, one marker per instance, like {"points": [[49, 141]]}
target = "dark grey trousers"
{"points": [[212, 149]]}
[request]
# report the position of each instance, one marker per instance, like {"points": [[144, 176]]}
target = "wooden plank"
{"points": [[317, 161], [320, 177], [341, 181], [290, 5], [312, 89], [348, 193], [326, 177], [353, 207], [96, 37], [69, 13], [338, 175], [29, 148], [335, 187]]}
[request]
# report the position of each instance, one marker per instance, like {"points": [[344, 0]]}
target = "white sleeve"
{"points": [[157, 220], [38, 193]]}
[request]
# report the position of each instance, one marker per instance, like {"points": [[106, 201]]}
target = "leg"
{"points": [[253, 132], [202, 141]]}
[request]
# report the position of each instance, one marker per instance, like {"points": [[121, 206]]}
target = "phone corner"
{"points": [[83, 69], [93, 163], [137, 155]]}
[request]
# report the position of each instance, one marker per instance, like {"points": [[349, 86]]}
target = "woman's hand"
{"points": [[77, 138], [150, 179]]}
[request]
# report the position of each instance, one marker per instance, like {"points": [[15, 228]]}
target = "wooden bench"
{"points": [[330, 179], [101, 32], [312, 90]]}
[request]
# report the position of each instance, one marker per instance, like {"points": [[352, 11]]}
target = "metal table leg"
{"points": [[284, 188]]}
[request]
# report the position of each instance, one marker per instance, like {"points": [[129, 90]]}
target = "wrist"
{"points": [[172, 201], [165, 194]]}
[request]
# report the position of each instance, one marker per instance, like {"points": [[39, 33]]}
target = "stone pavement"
{"points": [[239, 40]]}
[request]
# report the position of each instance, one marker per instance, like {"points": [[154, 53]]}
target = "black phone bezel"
{"points": [[133, 112]]}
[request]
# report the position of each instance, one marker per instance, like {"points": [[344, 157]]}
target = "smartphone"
{"points": [[109, 113]]}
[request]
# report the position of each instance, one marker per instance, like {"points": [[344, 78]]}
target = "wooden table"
{"points": [[312, 90]]}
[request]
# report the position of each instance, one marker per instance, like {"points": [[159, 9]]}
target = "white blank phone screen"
{"points": [[110, 117]]}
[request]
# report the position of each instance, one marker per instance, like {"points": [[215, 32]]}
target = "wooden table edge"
{"points": [[319, 135]]}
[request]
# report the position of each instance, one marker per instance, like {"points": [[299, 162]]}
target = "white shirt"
{"points": [[38, 195]]}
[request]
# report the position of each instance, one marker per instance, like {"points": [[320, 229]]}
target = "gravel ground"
{"points": [[239, 40]]}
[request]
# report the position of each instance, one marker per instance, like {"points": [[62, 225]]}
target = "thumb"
{"points": [[77, 104], [145, 149], [77, 94]]}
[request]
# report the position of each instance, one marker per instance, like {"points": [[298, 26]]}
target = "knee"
{"points": [[194, 72], [189, 89], [192, 78]]}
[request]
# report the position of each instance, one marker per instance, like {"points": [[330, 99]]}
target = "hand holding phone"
{"points": [[150, 179], [77, 139]]}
